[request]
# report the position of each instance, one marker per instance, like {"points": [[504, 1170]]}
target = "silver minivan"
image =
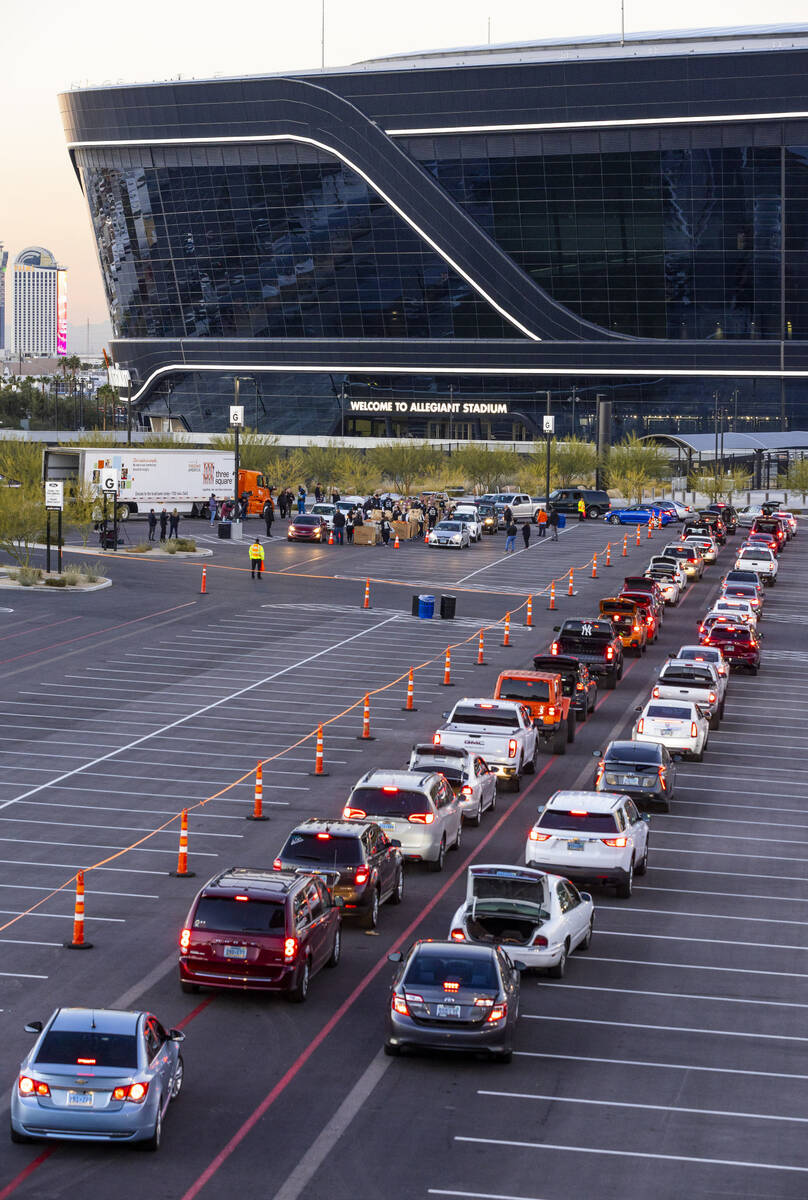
{"points": [[419, 810]]}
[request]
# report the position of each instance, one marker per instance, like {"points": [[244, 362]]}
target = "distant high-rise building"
{"points": [[40, 304], [3, 265]]}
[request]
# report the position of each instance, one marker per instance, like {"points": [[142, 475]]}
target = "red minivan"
{"points": [[260, 930]]}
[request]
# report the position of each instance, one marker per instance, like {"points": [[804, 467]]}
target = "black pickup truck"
{"points": [[577, 681], [595, 643]]}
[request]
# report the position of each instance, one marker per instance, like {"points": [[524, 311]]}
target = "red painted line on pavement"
{"points": [[349, 1002], [194, 1013], [25, 1172], [21, 632], [98, 633]]}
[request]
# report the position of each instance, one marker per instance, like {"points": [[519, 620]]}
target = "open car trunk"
{"points": [[505, 929]]}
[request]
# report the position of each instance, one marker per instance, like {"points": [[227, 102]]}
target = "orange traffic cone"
{"points": [[331, 537], [396, 544], [367, 594], [257, 813], [182, 871], [78, 942], [409, 706], [551, 605], [650, 526], [481, 650], [638, 535], [447, 669], [319, 769], [594, 566], [529, 617], [625, 545], [204, 588], [506, 633], [570, 589], [365, 734], [608, 554]]}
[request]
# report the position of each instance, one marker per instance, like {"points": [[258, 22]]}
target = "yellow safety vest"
{"points": [[581, 506], [256, 552]]}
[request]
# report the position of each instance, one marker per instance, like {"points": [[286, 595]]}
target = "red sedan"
{"points": [[739, 645], [306, 527]]}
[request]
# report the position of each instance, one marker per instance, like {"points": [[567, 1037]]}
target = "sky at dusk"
{"points": [[50, 46]]}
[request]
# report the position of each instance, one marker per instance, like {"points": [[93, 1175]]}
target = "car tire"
{"points": [[190, 989], [753, 670], [516, 782], [721, 709], [715, 720], [178, 1080], [397, 894], [152, 1143], [371, 915], [492, 807], [593, 513], [560, 739], [336, 949], [477, 819], [586, 940], [392, 1051], [559, 970], [438, 863], [614, 519], [580, 716], [570, 729], [624, 889], [700, 756], [620, 671], [300, 991], [642, 865]]}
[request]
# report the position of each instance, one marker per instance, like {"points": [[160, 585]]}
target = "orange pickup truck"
{"points": [[629, 621], [541, 693]]}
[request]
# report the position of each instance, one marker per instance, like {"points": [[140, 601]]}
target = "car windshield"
{"points": [[228, 915], [586, 822], [89, 1046], [323, 848], [323, 508], [758, 554], [389, 802], [450, 526], [464, 715], [305, 519], [524, 689], [668, 712], [430, 968]]}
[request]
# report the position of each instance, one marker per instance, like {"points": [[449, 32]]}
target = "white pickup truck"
{"points": [[697, 682], [500, 731], [522, 507]]}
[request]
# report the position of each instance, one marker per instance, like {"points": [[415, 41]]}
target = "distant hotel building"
{"points": [[442, 243], [3, 265], [40, 304]]}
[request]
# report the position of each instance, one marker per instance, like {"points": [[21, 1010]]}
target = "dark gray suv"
{"points": [[565, 500]]}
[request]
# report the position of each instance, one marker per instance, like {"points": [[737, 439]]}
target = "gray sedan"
{"points": [[454, 534], [97, 1075]]}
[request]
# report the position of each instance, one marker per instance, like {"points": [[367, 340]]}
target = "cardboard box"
{"points": [[367, 535]]}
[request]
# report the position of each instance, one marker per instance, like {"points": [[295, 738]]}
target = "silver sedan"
{"points": [[454, 534], [473, 782], [97, 1075]]}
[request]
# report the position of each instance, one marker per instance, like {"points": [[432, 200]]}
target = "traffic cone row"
{"points": [[182, 871], [650, 526], [257, 813], [331, 537], [78, 942]]}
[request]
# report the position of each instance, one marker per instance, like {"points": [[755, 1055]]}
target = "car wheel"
{"points": [[397, 894], [753, 670], [625, 889], [620, 671], [392, 1051], [715, 720], [300, 991], [530, 767], [190, 989], [336, 949], [700, 756], [372, 912], [586, 940], [560, 739], [179, 1078], [642, 865], [516, 782], [721, 709], [614, 519], [570, 730], [559, 970], [478, 816], [593, 513], [581, 715], [456, 843], [492, 806], [438, 863], [153, 1142]]}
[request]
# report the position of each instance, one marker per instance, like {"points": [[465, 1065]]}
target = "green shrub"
{"points": [[186, 544], [28, 576], [170, 547], [92, 572], [56, 581], [13, 575], [72, 576], [142, 548]]}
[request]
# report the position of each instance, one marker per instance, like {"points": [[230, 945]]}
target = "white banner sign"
{"points": [[117, 377], [237, 415], [54, 494], [548, 424], [109, 481]]}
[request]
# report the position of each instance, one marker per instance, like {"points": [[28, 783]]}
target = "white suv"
{"points": [[592, 837], [419, 810]]}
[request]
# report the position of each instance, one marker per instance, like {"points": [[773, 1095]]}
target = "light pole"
{"points": [[548, 430]]}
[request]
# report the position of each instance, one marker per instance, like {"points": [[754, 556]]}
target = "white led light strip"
{"points": [[308, 141], [625, 123]]}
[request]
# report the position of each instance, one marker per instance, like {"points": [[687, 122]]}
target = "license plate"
{"points": [[447, 1010], [386, 825], [80, 1099], [235, 951], [668, 731], [577, 844], [631, 780]]}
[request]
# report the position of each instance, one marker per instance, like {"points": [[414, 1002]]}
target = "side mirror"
{"points": [[556, 629], [396, 957], [34, 1027], [176, 1035], [445, 716], [596, 753], [638, 709], [396, 843], [646, 817], [338, 901], [585, 895]]}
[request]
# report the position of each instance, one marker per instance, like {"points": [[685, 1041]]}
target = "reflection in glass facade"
{"points": [[296, 245]]}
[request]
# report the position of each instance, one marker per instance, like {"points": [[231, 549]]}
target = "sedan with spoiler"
{"points": [[681, 727], [535, 917], [643, 770]]}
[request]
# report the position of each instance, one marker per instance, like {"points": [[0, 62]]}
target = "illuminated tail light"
{"points": [[535, 836], [289, 949], [694, 729], [554, 648], [185, 940], [498, 1013], [400, 1006], [539, 940], [32, 1087], [550, 711], [435, 739], [650, 622], [135, 1092], [599, 774], [713, 697], [361, 876], [353, 814], [637, 627], [579, 687], [451, 986], [466, 790], [610, 652], [512, 748], [421, 818], [641, 725], [277, 865], [618, 841], [661, 773], [655, 693], [458, 935]]}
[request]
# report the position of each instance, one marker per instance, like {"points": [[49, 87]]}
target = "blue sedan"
{"points": [[640, 515]]}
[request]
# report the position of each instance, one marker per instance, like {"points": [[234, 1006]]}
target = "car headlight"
{"points": [[456, 537]]}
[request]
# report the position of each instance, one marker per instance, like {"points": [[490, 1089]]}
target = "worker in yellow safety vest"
{"points": [[256, 559], [582, 509]]}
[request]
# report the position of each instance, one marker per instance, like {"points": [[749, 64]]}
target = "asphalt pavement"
{"points": [[671, 1057]]}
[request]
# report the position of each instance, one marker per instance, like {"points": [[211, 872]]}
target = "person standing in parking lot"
{"points": [[174, 524], [212, 508], [163, 524], [256, 560], [269, 515], [526, 531], [541, 521], [552, 521], [582, 509], [339, 526], [510, 539], [349, 526], [152, 524]]}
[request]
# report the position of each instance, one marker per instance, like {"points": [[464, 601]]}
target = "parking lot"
{"points": [[671, 1056]]}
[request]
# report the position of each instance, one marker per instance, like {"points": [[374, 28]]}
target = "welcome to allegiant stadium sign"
{"points": [[454, 408]]}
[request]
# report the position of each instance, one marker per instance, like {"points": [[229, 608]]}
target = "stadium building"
{"points": [[441, 244]]}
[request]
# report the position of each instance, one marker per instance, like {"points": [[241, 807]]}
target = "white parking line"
{"points": [[729, 874], [477, 1195], [638, 1062], [733, 1033], [668, 912], [95, 846], [671, 966], [730, 821], [580, 987], [192, 833], [723, 854], [25, 862], [715, 1162], [667, 1108], [12, 912], [696, 941], [724, 895], [29, 887], [155, 812]]}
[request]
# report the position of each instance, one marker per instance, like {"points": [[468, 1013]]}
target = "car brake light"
{"points": [[661, 773], [618, 841], [185, 940], [241, 897], [578, 812], [450, 986], [512, 748], [136, 1092], [352, 814], [389, 788], [599, 774], [535, 836], [694, 729], [87, 1062], [713, 697], [32, 1087], [655, 693], [550, 710], [361, 875], [276, 864], [400, 1006], [458, 935], [289, 949], [610, 652], [485, 705], [498, 1013], [650, 622], [466, 790], [435, 739], [641, 725], [579, 687], [637, 627], [554, 648], [322, 837], [421, 818], [539, 940]]}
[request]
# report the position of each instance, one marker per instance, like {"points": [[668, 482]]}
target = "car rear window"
{"points": [[524, 689], [721, 633], [624, 607], [428, 969], [686, 677], [558, 818], [90, 1047], [670, 712], [323, 848], [582, 633], [226, 915], [377, 802], [490, 716]]}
